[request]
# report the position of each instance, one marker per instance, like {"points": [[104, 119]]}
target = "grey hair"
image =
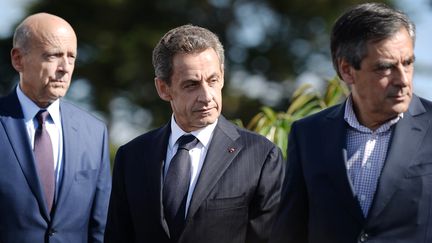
{"points": [[22, 37], [183, 39]]}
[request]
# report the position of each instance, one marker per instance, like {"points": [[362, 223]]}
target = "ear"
{"points": [[17, 59], [163, 89], [346, 71]]}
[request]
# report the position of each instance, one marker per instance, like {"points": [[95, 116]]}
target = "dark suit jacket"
{"points": [[79, 214], [235, 199], [318, 203]]}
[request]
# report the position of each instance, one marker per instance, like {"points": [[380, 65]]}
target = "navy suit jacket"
{"points": [[318, 203], [79, 214], [235, 199]]}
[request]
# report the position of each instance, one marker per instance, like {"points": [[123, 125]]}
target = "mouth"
{"points": [[400, 93], [204, 110], [57, 81], [398, 97]]}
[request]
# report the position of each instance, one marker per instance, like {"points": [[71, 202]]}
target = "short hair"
{"points": [[365, 23], [22, 37], [183, 39]]}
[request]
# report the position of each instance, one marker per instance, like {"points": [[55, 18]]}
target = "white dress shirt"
{"points": [[53, 126], [197, 154]]}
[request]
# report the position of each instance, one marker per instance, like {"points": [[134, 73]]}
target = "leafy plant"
{"points": [[305, 101]]}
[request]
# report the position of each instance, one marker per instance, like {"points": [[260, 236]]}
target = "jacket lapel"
{"points": [[222, 151], [400, 154], [71, 152], [12, 119], [156, 159], [335, 154]]}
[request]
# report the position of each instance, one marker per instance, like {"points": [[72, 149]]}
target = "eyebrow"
{"points": [[214, 75], [391, 63]]}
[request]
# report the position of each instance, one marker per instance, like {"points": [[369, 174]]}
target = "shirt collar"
{"points": [[204, 134], [30, 109], [351, 118]]}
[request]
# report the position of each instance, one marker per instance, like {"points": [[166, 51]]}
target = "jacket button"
{"points": [[363, 237], [51, 232]]}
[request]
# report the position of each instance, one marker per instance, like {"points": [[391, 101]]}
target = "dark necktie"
{"points": [[176, 185], [43, 152]]}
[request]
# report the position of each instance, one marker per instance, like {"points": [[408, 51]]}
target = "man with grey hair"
{"points": [[199, 178], [54, 167], [361, 171]]}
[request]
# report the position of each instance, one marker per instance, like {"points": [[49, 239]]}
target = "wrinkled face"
{"points": [[195, 92], [382, 88], [46, 69]]}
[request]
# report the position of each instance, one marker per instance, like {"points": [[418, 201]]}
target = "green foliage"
{"points": [[271, 38], [305, 101]]}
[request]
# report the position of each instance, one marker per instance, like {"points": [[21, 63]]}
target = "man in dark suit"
{"points": [[230, 191], [361, 171], [54, 166]]}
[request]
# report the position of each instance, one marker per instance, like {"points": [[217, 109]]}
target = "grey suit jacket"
{"points": [[79, 214], [235, 199], [318, 203]]}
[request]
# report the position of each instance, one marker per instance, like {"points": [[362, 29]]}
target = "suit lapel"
{"points": [[156, 163], [12, 119], [400, 153], [71, 152], [335, 154], [222, 151]]}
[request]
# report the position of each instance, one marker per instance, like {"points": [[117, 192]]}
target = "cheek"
{"points": [[182, 104], [217, 94], [49, 69]]}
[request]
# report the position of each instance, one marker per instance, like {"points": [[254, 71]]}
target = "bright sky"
{"points": [[11, 11]]}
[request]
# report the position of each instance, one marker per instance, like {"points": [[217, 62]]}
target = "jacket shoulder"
{"points": [[83, 115], [147, 139], [336, 111], [427, 104]]}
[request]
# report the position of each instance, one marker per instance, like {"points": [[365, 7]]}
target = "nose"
{"points": [[64, 65], [402, 75], [205, 94]]}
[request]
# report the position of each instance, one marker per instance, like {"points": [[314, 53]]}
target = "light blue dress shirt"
{"points": [[53, 125]]}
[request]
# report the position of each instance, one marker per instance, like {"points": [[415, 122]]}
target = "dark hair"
{"points": [[365, 23], [183, 39]]}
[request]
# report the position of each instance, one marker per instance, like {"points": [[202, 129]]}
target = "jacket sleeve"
{"points": [[99, 209], [291, 222], [267, 197], [119, 224]]}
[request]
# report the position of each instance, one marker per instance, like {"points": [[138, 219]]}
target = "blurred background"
{"points": [[272, 47]]}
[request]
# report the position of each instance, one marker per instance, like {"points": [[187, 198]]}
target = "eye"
{"points": [[71, 59], [50, 56], [384, 68], [190, 84], [408, 62], [213, 81]]}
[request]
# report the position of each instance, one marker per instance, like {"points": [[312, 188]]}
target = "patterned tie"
{"points": [[43, 152], [176, 185]]}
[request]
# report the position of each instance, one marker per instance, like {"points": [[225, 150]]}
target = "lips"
{"points": [[400, 93], [205, 110], [57, 81]]}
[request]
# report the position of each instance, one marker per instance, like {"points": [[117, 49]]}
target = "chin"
{"points": [[207, 121], [59, 91], [400, 108]]}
